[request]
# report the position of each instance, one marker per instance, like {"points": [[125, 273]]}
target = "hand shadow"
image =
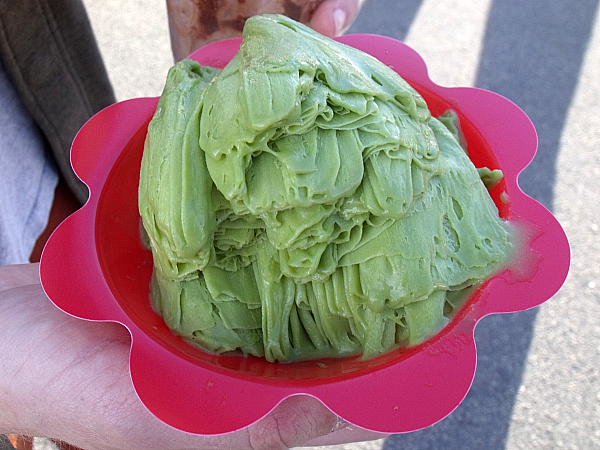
{"points": [[532, 54]]}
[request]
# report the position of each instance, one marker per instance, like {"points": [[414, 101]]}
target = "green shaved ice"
{"points": [[303, 203]]}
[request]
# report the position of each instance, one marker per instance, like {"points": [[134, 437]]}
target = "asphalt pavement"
{"points": [[537, 384]]}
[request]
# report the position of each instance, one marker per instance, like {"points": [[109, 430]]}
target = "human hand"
{"points": [[194, 23], [68, 379]]}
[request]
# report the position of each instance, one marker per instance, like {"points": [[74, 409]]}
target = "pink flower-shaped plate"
{"points": [[95, 267]]}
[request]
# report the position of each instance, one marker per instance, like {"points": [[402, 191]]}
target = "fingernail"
{"points": [[339, 20], [339, 424]]}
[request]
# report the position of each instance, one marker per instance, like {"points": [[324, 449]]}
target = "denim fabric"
{"points": [[27, 177]]}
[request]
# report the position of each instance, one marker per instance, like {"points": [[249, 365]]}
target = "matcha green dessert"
{"points": [[303, 203]]}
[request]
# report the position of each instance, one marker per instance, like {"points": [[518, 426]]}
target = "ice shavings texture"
{"points": [[303, 203]]}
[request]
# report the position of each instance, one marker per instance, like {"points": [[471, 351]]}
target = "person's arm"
{"points": [[68, 379]]}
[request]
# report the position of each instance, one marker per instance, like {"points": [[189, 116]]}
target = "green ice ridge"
{"points": [[303, 203]]}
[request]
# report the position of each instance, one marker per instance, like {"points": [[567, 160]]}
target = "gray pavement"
{"points": [[537, 384]]}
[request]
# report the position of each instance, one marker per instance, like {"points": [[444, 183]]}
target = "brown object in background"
{"points": [[26, 443], [64, 204], [20, 442], [195, 23]]}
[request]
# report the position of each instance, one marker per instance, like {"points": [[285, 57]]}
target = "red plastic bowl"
{"points": [[95, 267]]}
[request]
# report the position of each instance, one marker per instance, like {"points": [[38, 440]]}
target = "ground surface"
{"points": [[538, 382]]}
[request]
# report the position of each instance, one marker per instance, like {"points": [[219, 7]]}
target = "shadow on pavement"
{"points": [[390, 18], [532, 54], [5, 443]]}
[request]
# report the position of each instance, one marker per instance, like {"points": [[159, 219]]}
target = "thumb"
{"points": [[293, 422], [333, 17]]}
